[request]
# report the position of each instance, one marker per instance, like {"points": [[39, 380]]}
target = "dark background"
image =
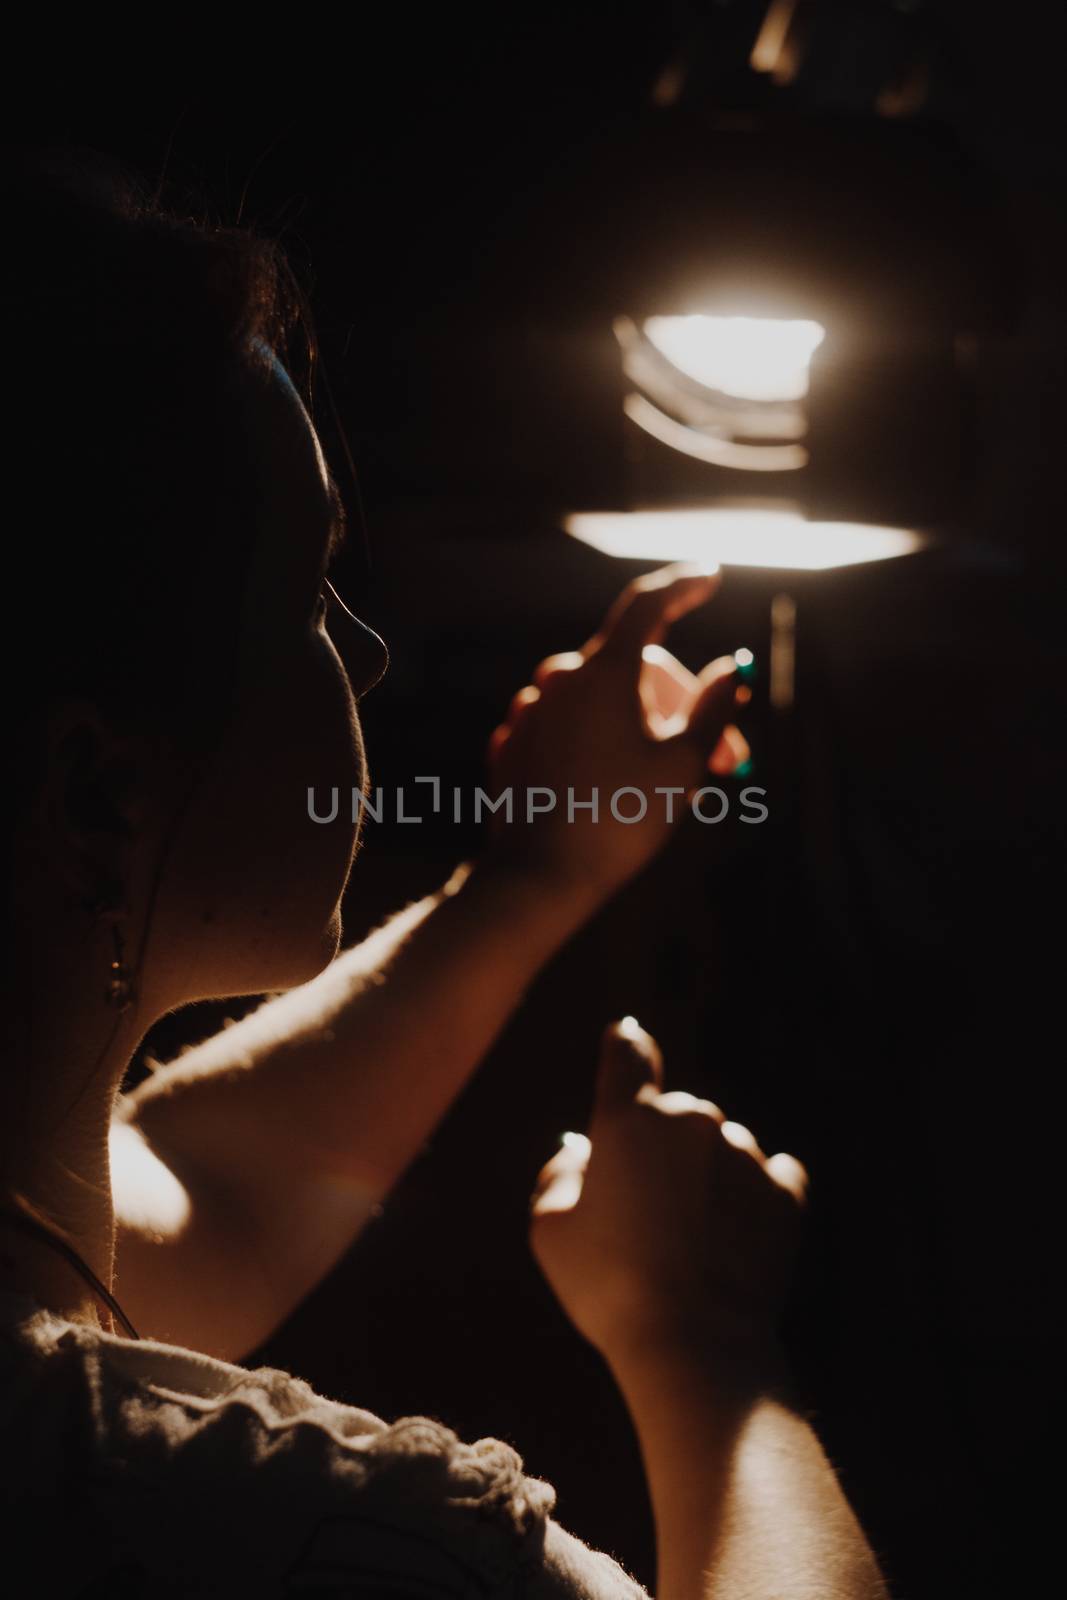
{"points": [[873, 980]]}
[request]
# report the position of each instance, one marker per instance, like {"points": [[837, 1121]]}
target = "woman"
{"points": [[194, 675]]}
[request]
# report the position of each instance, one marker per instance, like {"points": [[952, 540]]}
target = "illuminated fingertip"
{"points": [[789, 1173], [738, 1135], [629, 1027], [577, 1142], [692, 571]]}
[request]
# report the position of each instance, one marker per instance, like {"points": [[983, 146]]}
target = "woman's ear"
{"points": [[92, 802]]}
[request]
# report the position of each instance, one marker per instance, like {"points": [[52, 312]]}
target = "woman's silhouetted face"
{"points": [[250, 900]]}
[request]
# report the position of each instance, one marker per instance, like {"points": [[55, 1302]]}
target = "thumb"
{"points": [[712, 708], [559, 1183], [629, 1062]]}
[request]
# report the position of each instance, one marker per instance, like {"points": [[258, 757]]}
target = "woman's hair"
{"points": [[129, 510]]}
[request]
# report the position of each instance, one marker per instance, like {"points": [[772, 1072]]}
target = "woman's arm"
{"points": [[746, 1505], [285, 1130], [668, 1241]]}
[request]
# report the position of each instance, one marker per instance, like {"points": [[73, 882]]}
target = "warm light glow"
{"points": [[770, 52], [739, 538], [700, 407], [752, 358], [783, 651], [712, 448], [147, 1194]]}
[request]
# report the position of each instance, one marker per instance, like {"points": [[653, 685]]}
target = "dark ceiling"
{"points": [[457, 189]]}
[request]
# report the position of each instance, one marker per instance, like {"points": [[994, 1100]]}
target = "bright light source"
{"points": [[739, 538], [711, 447], [751, 358]]}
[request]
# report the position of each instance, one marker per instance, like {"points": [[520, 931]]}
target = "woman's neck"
{"points": [[61, 1069]]}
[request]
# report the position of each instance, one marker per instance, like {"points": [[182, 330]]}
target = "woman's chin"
{"points": [[331, 937], [287, 970], [319, 952]]}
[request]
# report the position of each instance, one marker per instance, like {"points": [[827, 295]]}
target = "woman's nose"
{"points": [[363, 651]]}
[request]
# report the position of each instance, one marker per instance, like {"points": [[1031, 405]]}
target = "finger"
{"points": [[551, 666], [732, 749], [789, 1174], [498, 738], [742, 1138], [676, 1103], [710, 713], [667, 688], [519, 702], [629, 1062], [559, 1183], [572, 1156], [646, 608]]}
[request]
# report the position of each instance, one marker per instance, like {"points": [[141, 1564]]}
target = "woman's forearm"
{"points": [[746, 1505], [346, 1077]]}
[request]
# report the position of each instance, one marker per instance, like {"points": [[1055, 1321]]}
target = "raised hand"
{"points": [[620, 719], [668, 1228]]}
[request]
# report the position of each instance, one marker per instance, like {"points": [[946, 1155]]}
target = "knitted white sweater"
{"points": [[135, 1469]]}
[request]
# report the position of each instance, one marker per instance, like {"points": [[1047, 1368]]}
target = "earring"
{"points": [[120, 988]]}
